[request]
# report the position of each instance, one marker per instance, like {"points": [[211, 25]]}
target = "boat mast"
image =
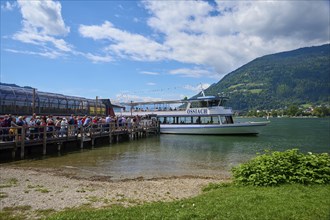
{"points": [[202, 90]]}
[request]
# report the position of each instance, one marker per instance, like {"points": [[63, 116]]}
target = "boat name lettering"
{"points": [[197, 111]]}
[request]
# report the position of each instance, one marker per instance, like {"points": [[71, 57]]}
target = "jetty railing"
{"points": [[14, 138]]}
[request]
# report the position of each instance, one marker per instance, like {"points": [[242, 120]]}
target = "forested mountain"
{"points": [[274, 81]]}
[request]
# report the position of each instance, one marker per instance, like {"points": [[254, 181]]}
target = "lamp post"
{"points": [[131, 108], [96, 107], [33, 101]]}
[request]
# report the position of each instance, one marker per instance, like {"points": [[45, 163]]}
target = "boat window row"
{"points": [[226, 119]]}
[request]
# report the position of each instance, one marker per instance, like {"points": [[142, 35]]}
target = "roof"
{"points": [[198, 99]]}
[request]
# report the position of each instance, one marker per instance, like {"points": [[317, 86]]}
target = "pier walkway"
{"points": [[17, 139]]}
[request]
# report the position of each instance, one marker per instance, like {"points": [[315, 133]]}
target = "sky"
{"points": [[147, 50]]}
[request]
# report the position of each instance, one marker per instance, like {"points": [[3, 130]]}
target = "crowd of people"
{"points": [[11, 126]]}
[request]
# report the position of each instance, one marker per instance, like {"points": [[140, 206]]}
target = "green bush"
{"points": [[275, 168]]}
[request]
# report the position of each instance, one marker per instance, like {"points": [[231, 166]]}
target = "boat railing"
{"points": [[156, 110]]}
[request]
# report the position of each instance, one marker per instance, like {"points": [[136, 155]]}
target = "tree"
{"points": [[321, 111], [293, 110]]}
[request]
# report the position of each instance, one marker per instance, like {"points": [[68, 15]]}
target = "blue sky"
{"points": [[147, 50]]}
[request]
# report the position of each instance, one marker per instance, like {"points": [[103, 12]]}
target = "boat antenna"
{"points": [[202, 90]]}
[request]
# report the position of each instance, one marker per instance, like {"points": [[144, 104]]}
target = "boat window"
{"points": [[210, 120], [215, 120], [163, 120], [186, 120], [205, 104], [227, 120], [170, 120], [223, 102]]}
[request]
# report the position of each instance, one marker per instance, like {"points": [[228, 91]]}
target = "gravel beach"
{"points": [[50, 189]]}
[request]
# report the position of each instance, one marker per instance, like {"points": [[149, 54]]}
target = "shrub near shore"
{"points": [[275, 168]]}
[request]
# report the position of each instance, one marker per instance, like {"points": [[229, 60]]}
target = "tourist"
{"points": [[13, 128], [42, 125], [107, 122], [31, 125], [5, 124], [87, 121], [20, 124], [123, 121], [58, 125], [64, 126], [71, 124], [79, 124], [50, 126]]}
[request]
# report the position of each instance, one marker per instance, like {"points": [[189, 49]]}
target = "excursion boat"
{"points": [[205, 115]]}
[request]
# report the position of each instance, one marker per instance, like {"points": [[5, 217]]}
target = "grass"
{"points": [[14, 213], [9, 183], [3, 195], [235, 86], [37, 188], [225, 201], [255, 91]]}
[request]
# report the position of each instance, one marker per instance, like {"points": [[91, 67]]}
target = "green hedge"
{"points": [[275, 168]]}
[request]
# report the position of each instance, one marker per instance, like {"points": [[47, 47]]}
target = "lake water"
{"points": [[178, 155]]}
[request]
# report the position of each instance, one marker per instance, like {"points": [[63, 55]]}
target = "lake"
{"points": [[179, 155]]}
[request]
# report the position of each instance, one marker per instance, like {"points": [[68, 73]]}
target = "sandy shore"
{"points": [[43, 189]]}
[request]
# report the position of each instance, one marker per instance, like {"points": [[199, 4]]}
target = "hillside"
{"points": [[274, 81]]}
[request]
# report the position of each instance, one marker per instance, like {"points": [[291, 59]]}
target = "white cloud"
{"points": [[8, 6], [125, 97], [98, 59], [48, 54], [151, 84], [125, 44], [197, 88], [222, 35], [136, 20], [228, 34], [149, 73], [43, 17], [219, 35], [42, 40], [285, 19], [195, 73], [43, 26]]}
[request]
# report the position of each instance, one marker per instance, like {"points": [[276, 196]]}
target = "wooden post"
{"points": [[82, 134], [111, 129], [59, 146], [13, 153], [110, 137], [22, 141], [44, 144]]}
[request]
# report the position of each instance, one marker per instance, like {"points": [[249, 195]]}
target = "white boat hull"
{"points": [[213, 129]]}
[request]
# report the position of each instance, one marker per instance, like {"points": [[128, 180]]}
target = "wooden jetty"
{"points": [[17, 139]]}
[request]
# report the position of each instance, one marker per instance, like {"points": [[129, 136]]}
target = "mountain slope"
{"points": [[278, 80]]}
